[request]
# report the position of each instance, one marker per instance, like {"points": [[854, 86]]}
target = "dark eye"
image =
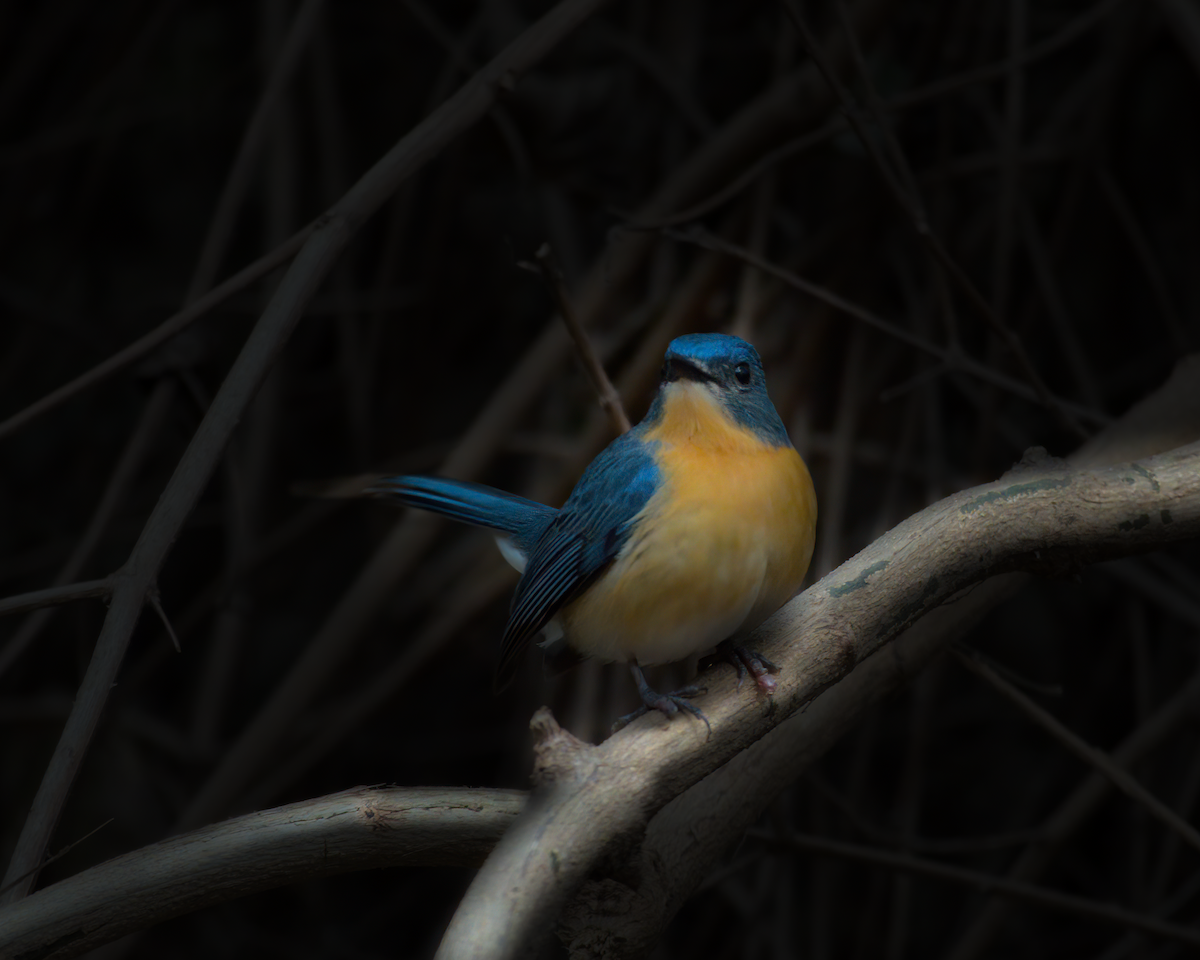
{"points": [[662, 376], [742, 372]]}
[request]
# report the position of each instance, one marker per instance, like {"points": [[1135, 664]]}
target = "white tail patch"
{"points": [[513, 554]]}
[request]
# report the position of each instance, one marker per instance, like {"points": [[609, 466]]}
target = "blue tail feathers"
{"points": [[473, 503]]}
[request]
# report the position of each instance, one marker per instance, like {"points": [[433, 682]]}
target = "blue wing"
{"points": [[525, 520], [580, 542]]}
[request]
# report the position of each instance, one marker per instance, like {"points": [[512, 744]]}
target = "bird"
{"points": [[683, 534]]}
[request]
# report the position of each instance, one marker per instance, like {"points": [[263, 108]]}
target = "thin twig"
{"points": [[171, 327], [994, 71], [237, 181], [374, 585], [837, 498], [317, 257], [930, 846], [912, 209], [551, 272], [1085, 751], [956, 359], [1184, 20], [794, 147], [1056, 307], [1076, 808], [1141, 248], [588, 795], [156, 605], [53, 596], [876, 106], [836, 125], [751, 297], [1105, 913], [141, 441], [58, 856]]}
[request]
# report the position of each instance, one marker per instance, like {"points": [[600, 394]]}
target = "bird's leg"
{"points": [[668, 704], [749, 661]]}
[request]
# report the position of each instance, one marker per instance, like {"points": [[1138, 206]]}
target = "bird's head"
{"points": [[729, 371]]}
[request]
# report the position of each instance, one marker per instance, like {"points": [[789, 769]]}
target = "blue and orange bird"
{"points": [[683, 534]]}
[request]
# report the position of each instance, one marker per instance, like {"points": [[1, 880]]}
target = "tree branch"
{"points": [[697, 826], [1043, 517], [357, 829], [52, 596], [690, 835]]}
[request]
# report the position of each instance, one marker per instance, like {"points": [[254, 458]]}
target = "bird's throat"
{"points": [[693, 414]]}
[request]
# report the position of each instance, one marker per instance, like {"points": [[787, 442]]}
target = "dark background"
{"points": [[1068, 190]]}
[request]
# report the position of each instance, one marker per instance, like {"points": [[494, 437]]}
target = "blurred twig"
{"points": [[58, 856], [169, 328], [1087, 753], [911, 205], [836, 125], [1185, 20], [318, 255], [551, 272], [140, 443], [1039, 896], [954, 359], [1141, 248], [51, 596], [253, 138], [1076, 807]]}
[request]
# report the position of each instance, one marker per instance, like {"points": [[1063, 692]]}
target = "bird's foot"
{"points": [[744, 661], [668, 704]]}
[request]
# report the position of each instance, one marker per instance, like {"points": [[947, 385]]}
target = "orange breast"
{"points": [[724, 543]]}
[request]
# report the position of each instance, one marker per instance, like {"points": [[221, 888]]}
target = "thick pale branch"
{"points": [[1042, 517], [353, 830], [690, 834], [595, 800]]}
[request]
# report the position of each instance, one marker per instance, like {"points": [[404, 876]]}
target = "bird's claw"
{"points": [[668, 704], [752, 662]]}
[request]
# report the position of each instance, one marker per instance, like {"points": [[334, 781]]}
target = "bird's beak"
{"points": [[676, 368]]}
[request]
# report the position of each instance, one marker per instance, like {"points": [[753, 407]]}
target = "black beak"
{"points": [[676, 368]]}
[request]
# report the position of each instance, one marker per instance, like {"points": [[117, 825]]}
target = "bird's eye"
{"points": [[742, 372], [663, 373]]}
